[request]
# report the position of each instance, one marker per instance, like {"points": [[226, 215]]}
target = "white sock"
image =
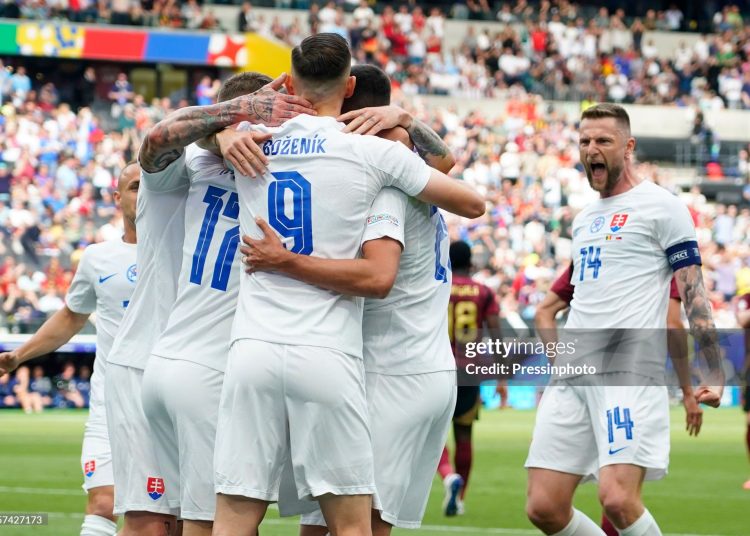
{"points": [[98, 526], [644, 526], [581, 525]]}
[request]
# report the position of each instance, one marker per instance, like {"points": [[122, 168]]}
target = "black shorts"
{"points": [[467, 405]]}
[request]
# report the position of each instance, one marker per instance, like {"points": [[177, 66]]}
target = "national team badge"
{"points": [[132, 273], [89, 468], [155, 487], [618, 222], [597, 224]]}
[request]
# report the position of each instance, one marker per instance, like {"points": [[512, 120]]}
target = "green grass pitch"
{"points": [[702, 495]]}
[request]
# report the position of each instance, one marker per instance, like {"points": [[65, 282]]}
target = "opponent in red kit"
{"points": [[743, 318], [472, 307]]}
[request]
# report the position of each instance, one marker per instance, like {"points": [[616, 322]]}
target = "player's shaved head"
{"points": [[131, 171], [242, 84], [460, 255], [373, 88]]}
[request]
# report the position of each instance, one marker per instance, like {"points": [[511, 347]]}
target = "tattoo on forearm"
{"points": [[166, 140], [698, 310], [426, 140]]}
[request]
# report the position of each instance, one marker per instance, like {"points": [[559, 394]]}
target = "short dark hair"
{"points": [[460, 255], [607, 109], [373, 88], [242, 84], [322, 57]]}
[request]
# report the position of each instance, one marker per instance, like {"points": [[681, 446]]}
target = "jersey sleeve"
{"points": [[393, 164], [174, 176], [386, 217], [676, 235], [563, 286], [81, 296]]}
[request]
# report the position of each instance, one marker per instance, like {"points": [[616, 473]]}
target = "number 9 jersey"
{"points": [[316, 195]]}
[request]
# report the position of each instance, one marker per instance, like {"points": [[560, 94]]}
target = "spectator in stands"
{"points": [[246, 21], [206, 91], [83, 384], [7, 395], [120, 94], [41, 387], [24, 397], [67, 395], [20, 86]]}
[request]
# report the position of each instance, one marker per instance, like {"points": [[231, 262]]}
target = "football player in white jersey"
{"points": [[103, 282], [295, 369], [410, 370], [183, 378], [148, 505], [627, 246]]}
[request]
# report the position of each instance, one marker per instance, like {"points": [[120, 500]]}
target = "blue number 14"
{"points": [[590, 260], [214, 198]]}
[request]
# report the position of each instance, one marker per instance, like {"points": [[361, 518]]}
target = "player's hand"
{"points": [[265, 254], [241, 149], [271, 108], [9, 361], [693, 414], [373, 120], [709, 395]]}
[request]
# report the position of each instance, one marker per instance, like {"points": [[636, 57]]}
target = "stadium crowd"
{"points": [[559, 49], [58, 167], [32, 391]]}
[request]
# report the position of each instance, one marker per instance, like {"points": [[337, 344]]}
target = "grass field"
{"points": [[40, 472]]}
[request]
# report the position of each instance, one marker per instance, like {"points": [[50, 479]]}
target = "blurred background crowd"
{"points": [[62, 146], [32, 390]]}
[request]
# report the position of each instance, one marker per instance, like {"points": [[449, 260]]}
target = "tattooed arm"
{"points": [[698, 309], [165, 142], [430, 147]]}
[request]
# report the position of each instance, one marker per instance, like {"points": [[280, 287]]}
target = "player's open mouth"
{"points": [[598, 170]]}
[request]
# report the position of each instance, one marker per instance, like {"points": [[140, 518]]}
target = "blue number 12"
{"points": [[214, 198]]}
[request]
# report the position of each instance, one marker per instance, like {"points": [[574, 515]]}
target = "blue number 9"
{"points": [[299, 226]]}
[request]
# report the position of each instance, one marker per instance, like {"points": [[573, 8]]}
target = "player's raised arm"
{"points": [[374, 120], [166, 140], [452, 195], [372, 276], [55, 332]]}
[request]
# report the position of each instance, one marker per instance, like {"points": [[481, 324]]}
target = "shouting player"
{"points": [[627, 245], [139, 483], [104, 282], [295, 366], [407, 358]]}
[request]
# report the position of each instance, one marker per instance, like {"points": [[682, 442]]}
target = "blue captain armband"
{"points": [[684, 254]]}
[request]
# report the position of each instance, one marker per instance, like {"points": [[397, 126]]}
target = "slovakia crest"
{"points": [[89, 468], [155, 487], [618, 222], [597, 224]]}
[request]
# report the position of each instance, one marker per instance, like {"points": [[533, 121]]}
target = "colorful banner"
{"points": [[97, 42]]}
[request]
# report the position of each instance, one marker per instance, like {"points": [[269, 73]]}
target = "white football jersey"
{"points": [[625, 249], [316, 194], [104, 282], [200, 322], [407, 332], [160, 226]]}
